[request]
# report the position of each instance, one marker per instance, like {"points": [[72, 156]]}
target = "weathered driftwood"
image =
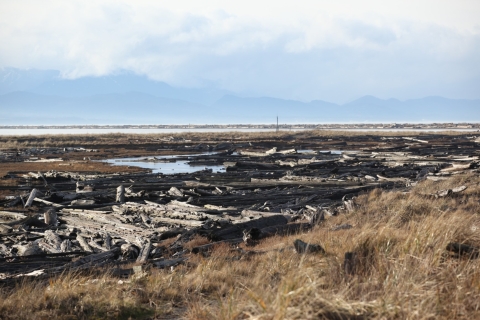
{"points": [[12, 215], [107, 239], [48, 203], [32, 248], [84, 244], [66, 245], [175, 192], [120, 194], [31, 197], [82, 202], [97, 248], [4, 229], [50, 217], [144, 253]]}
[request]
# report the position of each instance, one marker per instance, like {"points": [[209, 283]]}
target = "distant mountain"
{"points": [[47, 82], [266, 109], [12, 79], [115, 108], [43, 97]]}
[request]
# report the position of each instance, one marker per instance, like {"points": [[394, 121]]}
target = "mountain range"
{"points": [[44, 97]]}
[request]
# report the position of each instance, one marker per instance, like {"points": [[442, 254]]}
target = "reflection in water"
{"points": [[165, 164]]}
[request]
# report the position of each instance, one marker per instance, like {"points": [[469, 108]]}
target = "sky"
{"points": [[305, 50]]}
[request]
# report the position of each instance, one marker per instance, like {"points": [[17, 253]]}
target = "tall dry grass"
{"points": [[403, 271]]}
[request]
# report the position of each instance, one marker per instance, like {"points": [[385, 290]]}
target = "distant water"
{"points": [[72, 131], [36, 132]]}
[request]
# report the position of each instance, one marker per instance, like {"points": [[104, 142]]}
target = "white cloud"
{"points": [[297, 49]]}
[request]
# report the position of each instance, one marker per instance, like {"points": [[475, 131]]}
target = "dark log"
{"points": [[349, 263], [282, 230], [129, 251], [171, 233], [303, 247], [464, 250], [236, 231], [209, 246], [93, 259], [168, 263]]}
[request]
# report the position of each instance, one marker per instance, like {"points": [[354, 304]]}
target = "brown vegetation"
{"points": [[74, 166], [402, 270]]}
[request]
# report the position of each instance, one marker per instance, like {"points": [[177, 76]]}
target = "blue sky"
{"points": [[330, 50]]}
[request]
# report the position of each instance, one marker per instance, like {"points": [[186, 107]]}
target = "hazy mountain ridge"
{"points": [[42, 97]]}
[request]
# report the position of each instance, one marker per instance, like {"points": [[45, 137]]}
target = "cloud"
{"points": [[307, 50]]}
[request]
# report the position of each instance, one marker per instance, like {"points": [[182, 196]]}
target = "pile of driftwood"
{"points": [[68, 221]]}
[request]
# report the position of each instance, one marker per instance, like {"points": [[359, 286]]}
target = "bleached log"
{"points": [[50, 217], [31, 248], [83, 243], [146, 219], [14, 215], [66, 245], [107, 241], [120, 194], [144, 253], [82, 202], [31, 197], [48, 203], [175, 192], [4, 229], [52, 238], [95, 245]]}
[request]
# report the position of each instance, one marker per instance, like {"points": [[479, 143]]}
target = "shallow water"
{"points": [[179, 166], [181, 163]]}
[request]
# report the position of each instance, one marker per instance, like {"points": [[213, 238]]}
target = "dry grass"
{"points": [[93, 140], [69, 166], [403, 271]]}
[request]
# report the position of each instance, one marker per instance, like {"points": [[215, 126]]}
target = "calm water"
{"points": [[36, 132], [179, 166]]}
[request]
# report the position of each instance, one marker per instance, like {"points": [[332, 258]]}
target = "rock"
{"points": [[303, 247]]}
